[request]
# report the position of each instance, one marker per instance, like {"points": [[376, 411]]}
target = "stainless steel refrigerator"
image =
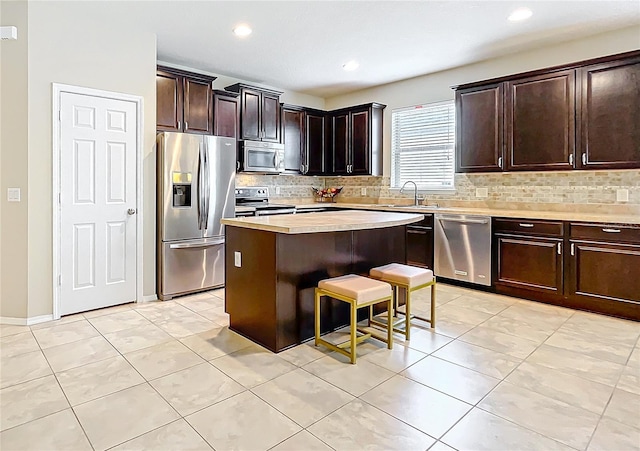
{"points": [[196, 189]]}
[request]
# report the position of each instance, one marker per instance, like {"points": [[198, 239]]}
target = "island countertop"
{"points": [[328, 221]]}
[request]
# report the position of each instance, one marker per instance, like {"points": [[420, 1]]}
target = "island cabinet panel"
{"points": [[609, 114], [479, 129], [270, 296], [540, 122], [420, 243]]}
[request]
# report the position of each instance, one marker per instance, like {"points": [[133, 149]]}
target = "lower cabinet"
{"points": [[592, 267], [420, 243]]}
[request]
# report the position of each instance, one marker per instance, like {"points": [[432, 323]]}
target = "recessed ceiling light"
{"points": [[242, 30], [520, 14], [350, 65]]}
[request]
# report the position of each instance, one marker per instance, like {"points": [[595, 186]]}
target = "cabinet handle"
{"points": [[559, 248], [237, 165], [419, 232], [584, 158], [611, 230], [573, 249], [306, 168], [179, 123], [500, 162], [524, 224], [571, 160], [186, 126]]}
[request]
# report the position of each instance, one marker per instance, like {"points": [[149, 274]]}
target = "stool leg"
{"points": [[354, 323], [433, 306], [317, 316], [407, 315], [396, 294], [370, 315], [390, 324]]}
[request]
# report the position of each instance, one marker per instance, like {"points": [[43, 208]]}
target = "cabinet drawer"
{"points": [[605, 232], [528, 227], [426, 222]]}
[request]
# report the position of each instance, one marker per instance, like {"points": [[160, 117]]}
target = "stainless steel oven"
{"points": [[261, 156]]}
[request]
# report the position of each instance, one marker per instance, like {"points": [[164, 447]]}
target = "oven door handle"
{"points": [[464, 221]]}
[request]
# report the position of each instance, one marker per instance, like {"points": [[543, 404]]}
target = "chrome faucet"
{"points": [[415, 191]]}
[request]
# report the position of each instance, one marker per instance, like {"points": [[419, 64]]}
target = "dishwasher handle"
{"points": [[463, 221]]}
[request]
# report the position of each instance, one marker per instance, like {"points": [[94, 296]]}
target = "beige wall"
{"points": [[436, 87], [65, 47], [13, 163]]}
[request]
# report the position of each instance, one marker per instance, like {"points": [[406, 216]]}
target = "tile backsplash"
{"points": [[539, 190]]}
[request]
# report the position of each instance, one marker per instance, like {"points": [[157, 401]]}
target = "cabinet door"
{"points": [[168, 102], [360, 142], [479, 124], [270, 118], [293, 138], [530, 263], [540, 122], [609, 114], [604, 271], [226, 116], [250, 114], [420, 247], [197, 106], [315, 144], [340, 132]]}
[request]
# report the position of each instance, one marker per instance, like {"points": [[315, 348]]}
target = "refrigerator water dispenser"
{"points": [[182, 195]]}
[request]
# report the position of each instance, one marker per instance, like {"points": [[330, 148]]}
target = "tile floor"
{"points": [[498, 373]]}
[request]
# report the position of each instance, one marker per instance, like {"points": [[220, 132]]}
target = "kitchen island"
{"points": [[274, 263]]}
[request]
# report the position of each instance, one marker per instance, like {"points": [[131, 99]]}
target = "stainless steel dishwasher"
{"points": [[463, 248]]}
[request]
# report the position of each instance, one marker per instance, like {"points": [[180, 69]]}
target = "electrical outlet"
{"points": [[237, 256], [363, 191], [482, 192], [277, 190], [622, 195], [13, 194]]}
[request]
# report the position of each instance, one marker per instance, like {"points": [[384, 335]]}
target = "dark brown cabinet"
{"points": [[528, 255], [356, 140], [303, 136], [479, 129], [259, 112], [603, 268], [226, 114], [183, 101], [578, 116], [609, 114], [420, 243], [540, 122]]}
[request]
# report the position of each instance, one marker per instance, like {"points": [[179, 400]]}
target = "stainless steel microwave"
{"points": [[259, 156]]}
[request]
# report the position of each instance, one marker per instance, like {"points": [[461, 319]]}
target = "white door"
{"points": [[97, 202]]}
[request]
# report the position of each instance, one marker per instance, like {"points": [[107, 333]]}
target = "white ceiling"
{"points": [[301, 45]]}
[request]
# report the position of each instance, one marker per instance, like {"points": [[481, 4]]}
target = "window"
{"points": [[422, 146]]}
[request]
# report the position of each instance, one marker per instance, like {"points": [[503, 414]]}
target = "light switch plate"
{"points": [[13, 194], [237, 256], [363, 191], [622, 195], [482, 192]]}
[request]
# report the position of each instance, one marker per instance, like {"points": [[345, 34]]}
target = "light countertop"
{"points": [[328, 221]]}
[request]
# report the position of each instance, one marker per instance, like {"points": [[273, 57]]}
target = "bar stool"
{"points": [[410, 278], [359, 292]]}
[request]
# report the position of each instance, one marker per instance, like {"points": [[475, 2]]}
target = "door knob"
{"points": [[131, 211]]}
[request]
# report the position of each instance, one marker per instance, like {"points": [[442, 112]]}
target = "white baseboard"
{"points": [[25, 321], [150, 298]]}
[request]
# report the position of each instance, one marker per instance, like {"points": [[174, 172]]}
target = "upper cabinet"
{"points": [[226, 114], [578, 116], [293, 138], [479, 137], [183, 101], [609, 115], [540, 122], [356, 140], [259, 112], [303, 136]]}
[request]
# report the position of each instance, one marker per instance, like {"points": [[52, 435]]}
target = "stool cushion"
{"points": [[361, 289], [404, 274]]}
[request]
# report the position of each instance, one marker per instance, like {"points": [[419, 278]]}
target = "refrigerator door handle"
{"points": [[196, 245], [206, 178], [200, 187]]}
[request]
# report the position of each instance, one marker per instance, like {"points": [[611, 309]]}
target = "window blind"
{"points": [[422, 145]]}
